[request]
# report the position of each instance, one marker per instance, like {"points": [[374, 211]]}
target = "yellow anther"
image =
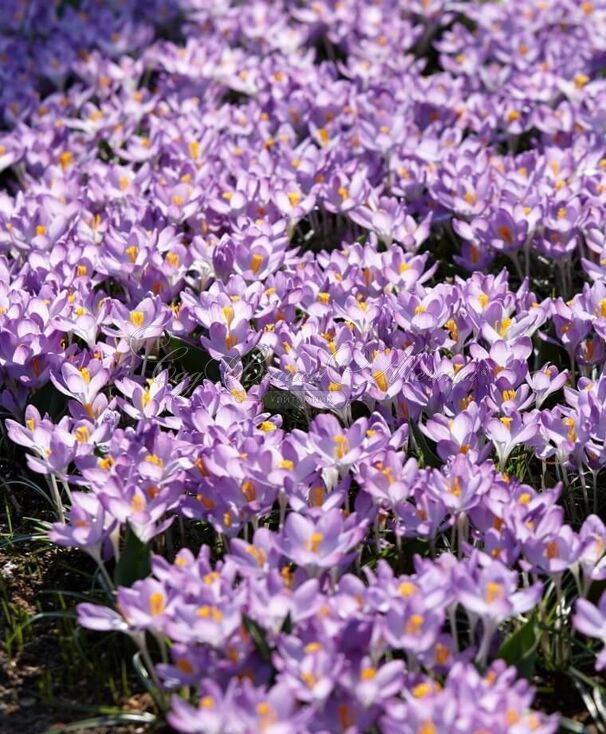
{"points": [[407, 588], [106, 463], [173, 259], [572, 429], [442, 654], [494, 591], [313, 647], [414, 624], [380, 379], [422, 690], [82, 434], [255, 262], [309, 679], [259, 555], [194, 149], [157, 603], [314, 542], [210, 612], [465, 402], [503, 326], [580, 80], [238, 394], [317, 496], [228, 314], [324, 135], [206, 502], [342, 445], [184, 666], [66, 159], [249, 490], [137, 503], [152, 492], [505, 233], [452, 327], [137, 318]]}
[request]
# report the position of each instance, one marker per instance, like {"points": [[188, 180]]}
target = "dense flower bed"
{"points": [[307, 301]]}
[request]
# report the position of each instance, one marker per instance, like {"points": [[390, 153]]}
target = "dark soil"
{"points": [[45, 681]]}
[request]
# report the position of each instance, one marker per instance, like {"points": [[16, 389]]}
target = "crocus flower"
{"points": [[144, 321], [323, 544], [88, 526], [509, 431], [591, 621]]}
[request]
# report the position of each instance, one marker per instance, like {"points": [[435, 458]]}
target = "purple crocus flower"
{"points": [[326, 543], [508, 432]]}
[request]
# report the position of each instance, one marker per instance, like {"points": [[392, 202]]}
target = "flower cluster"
{"points": [[321, 288], [333, 665]]}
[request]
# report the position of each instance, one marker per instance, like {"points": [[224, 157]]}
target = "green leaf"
{"points": [[193, 360], [596, 590], [254, 368], [135, 560], [411, 547], [149, 683], [258, 637], [104, 721], [288, 405], [430, 458], [575, 727], [520, 648], [49, 400], [65, 4], [287, 625]]}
